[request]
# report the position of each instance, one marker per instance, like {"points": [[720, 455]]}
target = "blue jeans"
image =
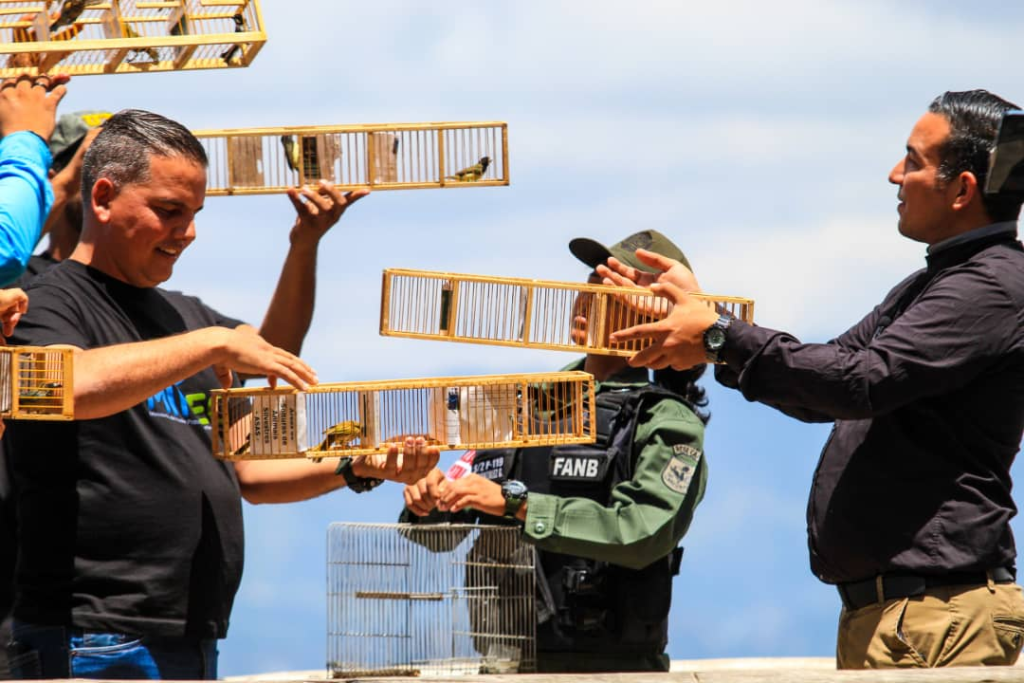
{"points": [[56, 652]]}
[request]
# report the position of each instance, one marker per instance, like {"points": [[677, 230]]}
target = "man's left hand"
{"points": [[473, 491], [677, 340], [406, 465], [318, 209]]}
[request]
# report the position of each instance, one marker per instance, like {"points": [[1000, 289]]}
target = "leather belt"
{"points": [[857, 594]]}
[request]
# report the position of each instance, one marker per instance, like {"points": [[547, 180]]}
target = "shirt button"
{"points": [[539, 527]]}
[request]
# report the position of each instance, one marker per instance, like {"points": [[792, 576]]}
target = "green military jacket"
{"points": [[648, 514]]}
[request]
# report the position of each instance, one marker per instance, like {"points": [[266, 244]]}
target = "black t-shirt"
{"points": [[126, 523]]}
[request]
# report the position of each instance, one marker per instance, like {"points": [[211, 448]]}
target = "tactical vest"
{"points": [[584, 605]]}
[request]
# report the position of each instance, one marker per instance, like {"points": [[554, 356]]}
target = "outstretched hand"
{"points": [[406, 464], [678, 339], [318, 209], [30, 103], [248, 353], [669, 270]]}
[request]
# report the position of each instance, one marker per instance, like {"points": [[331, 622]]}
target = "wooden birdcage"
{"points": [[398, 156], [359, 418], [541, 314], [127, 36], [429, 600], [36, 383]]}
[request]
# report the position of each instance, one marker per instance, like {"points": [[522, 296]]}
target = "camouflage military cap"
{"points": [[594, 253], [71, 130]]}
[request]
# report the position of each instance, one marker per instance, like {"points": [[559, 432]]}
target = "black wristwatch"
{"points": [[515, 493], [714, 339], [353, 481]]}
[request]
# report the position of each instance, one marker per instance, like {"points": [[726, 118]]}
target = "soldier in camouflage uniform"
{"points": [[606, 518]]}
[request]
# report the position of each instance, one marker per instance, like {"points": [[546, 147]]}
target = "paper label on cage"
{"points": [[279, 424]]}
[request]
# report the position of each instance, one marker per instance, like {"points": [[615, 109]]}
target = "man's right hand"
{"points": [[421, 498], [246, 352], [30, 103]]}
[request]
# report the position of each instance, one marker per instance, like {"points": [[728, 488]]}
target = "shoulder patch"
{"points": [[685, 449], [678, 472]]}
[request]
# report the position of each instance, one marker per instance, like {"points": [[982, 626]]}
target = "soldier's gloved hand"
{"points": [[421, 498]]}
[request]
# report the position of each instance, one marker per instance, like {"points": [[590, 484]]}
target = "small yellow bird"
{"points": [[472, 173], [302, 152], [292, 155], [338, 436], [128, 32], [70, 11]]}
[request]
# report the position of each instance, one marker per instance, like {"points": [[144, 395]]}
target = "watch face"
{"points": [[513, 489], [714, 338]]}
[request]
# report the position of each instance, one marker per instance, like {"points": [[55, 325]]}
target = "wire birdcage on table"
{"points": [[386, 156], [542, 314], [360, 418], [429, 599], [83, 37], [36, 383]]}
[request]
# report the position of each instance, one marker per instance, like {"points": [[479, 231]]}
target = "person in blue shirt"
{"points": [[28, 107]]}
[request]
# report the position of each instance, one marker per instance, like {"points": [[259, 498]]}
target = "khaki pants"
{"points": [[946, 626]]}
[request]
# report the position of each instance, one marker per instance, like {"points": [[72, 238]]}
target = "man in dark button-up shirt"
{"points": [[910, 506]]}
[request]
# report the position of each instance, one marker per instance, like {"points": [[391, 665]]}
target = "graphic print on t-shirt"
{"points": [[174, 404]]}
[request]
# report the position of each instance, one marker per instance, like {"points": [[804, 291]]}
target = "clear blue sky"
{"points": [[757, 135]]}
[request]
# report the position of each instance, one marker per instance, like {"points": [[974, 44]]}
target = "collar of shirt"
{"points": [[972, 235]]}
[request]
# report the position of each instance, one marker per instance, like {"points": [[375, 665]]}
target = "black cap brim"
{"points": [[590, 252]]}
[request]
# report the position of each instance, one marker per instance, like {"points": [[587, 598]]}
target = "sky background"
{"points": [[756, 135]]}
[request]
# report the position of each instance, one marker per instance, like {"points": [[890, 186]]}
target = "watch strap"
{"points": [[352, 480]]}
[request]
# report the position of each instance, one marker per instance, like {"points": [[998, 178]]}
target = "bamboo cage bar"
{"points": [[36, 383], [541, 314], [429, 600], [360, 418], [387, 156], [128, 36]]}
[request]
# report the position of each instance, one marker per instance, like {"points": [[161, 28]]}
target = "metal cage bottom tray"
{"points": [[360, 418], [429, 600]]}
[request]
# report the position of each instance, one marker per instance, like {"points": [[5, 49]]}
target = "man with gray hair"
{"points": [[130, 533]]}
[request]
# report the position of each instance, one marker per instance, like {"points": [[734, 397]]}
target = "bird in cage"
{"points": [[128, 32], [292, 154], [240, 27], [40, 396], [340, 435], [472, 173], [70, 11], [180, 27]]}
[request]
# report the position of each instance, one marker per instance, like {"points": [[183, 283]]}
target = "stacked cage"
{"points": [[437, 599]]}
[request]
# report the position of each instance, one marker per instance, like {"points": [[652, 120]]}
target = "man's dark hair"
{"points": [[974, 117], [121, 151], [684, 383]]}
